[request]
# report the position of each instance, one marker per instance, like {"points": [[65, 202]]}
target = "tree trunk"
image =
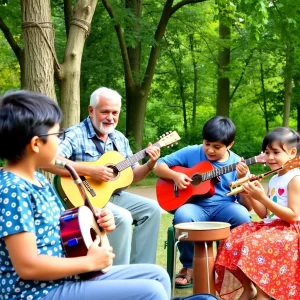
{"points": [[135, 111], [223, 85], [297, 87], [70, 69], [265, 108], [195, 69], [287, 86], [39, 55], [183, 100], [136, 93]]}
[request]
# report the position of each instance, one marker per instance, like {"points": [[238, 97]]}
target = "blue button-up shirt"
{"points": [[79, 146]]}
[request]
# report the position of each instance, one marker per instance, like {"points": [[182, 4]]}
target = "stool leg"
{"points": [[204, 279], [170, 251]]}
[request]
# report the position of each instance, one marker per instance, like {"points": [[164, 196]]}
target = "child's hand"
{"points": [[242, 169], [101, 257], [106, 219], [182, 180], [254, 189]]}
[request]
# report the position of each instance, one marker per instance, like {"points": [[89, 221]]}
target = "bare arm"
{"points": [[291, 212], [181, 180], [100, 173], [29, 265]]}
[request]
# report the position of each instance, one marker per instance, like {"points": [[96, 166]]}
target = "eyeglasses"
{"points": [[61, 135]]}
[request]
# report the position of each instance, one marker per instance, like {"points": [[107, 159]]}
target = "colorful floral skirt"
{"points": [[268, 254]]}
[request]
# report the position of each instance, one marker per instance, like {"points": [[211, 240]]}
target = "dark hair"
{"points": [[23, 115], [284, 136], [219, 129]]}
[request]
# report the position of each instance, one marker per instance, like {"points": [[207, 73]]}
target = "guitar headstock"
{"points": [[168, 139], [261, 158], [292, 163]]}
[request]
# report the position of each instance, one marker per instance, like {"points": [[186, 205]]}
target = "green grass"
{"points": [[161, 255]]}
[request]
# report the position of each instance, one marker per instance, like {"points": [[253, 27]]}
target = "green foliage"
{"points": [[260, 33], [10, 69]]}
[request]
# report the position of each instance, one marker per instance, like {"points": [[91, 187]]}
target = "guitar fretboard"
{"points": [[198, 178], [124, 164]]}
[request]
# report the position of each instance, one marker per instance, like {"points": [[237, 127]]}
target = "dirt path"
{"points": [[145, 191], [149, 191]]}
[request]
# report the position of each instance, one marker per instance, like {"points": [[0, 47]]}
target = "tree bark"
{"points": [[297, 86], [39, 55], [69, 71], [223, 85], [195, 69], [265, 108], [288, 80]]}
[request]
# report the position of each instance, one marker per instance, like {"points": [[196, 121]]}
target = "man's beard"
{"points": [[100, 127]]}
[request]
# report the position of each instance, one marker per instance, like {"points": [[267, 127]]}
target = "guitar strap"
{"points": [[97, 142]]}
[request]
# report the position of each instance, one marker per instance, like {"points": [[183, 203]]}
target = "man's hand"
{"points": [[101, 173], [154, 154]]}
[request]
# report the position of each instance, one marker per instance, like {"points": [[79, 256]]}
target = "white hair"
{"points": [[106, 92]]}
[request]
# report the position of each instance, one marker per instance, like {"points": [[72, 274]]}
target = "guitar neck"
{"points": [[217, 172], [124, 164]]}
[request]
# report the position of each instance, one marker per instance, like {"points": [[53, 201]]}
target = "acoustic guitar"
{"points": [[79, 227], [101, 192], [204, 177]]}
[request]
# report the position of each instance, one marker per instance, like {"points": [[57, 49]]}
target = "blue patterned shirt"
{"points": [[79, 146], [25, 207]]}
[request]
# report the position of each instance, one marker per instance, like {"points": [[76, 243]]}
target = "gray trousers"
{"points": [[137, 220], [133, 282]]}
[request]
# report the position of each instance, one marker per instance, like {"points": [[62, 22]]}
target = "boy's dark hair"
{"points": [[23, 115], [284, 136], [219, 129]]}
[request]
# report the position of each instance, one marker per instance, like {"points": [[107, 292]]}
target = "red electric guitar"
{"points": [[204, 177], [79, 227]]}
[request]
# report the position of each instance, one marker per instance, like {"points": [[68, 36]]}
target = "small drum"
{"points": [[203, 234], [203, 231]]}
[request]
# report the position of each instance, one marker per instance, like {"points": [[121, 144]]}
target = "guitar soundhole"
{"points": [[115, 172], [93, 235], [197, 179]]}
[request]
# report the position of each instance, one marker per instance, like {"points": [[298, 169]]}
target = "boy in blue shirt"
{"points": [[218, 137]]}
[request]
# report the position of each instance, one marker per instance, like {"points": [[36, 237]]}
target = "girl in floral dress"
{"points": [[260, 260]]}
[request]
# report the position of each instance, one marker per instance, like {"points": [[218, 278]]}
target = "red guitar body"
{"points": [[78, 229], [169, 197]]}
